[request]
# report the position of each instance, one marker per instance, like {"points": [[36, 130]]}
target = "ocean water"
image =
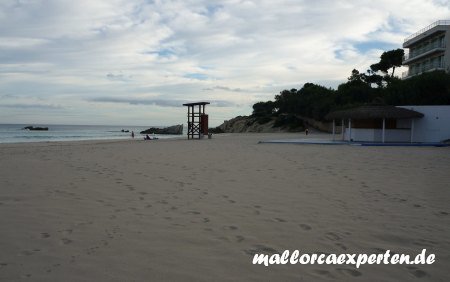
{"points": [[14, 133]]}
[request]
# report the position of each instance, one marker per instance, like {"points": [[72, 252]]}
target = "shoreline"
{"points": [[64, 133], [139, 137]]}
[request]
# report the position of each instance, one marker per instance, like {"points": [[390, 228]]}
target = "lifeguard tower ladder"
{"points": [[197, 120]]}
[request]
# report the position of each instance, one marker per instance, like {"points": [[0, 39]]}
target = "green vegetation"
{"points": [[374, 86]]}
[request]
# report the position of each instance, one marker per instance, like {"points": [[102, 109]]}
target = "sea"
{"points": [[15, 133]]}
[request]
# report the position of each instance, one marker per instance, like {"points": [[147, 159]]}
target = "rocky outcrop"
{"points": [[243, 124], [173, 130], [35, 128], [281, 123]]}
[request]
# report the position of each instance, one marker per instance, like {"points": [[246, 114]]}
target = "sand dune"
{"points": [[198, 210]]}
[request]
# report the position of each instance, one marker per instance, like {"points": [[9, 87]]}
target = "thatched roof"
{"points": [[374, 112]]}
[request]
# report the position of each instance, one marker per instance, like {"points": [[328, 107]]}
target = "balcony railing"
{"points": [[446, 22], [423, 68], [426, 48]]}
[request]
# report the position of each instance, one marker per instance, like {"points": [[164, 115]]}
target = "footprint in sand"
{"points": [[66, 241], [27, 253], [279, 219], [332, 236], [441, 213], [379, 250], [324, 273], [417, 272], [305, 227], [45, 235], [230, 227], [194, 212], [223, 238], [131, 187], [92, 250], [66, 231], [260, 249], [342, 246], [351, 272]]}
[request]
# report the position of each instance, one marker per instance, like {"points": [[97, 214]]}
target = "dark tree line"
{"points": [[377, 85]]}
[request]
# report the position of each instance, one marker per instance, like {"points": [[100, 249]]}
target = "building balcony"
{"points": [[422, 69], [424, 52]]}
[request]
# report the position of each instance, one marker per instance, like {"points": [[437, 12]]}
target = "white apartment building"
{"points": [[429, 49]]}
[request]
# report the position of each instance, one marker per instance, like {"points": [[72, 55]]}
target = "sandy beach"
{"points": [[198, 210]]}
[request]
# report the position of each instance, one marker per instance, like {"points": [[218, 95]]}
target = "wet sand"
{"points": [[198, 210]]}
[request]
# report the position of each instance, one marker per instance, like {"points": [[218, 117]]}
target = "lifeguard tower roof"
{"points": [[197, 104]]}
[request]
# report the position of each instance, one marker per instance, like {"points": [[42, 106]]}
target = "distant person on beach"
{"points": [[306, 131], [147, 137], [132, 134]]}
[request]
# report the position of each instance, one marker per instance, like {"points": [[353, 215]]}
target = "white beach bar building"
{"points": [[379, 123]]}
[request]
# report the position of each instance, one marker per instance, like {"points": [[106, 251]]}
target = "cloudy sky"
{"points": [[134, 62]]}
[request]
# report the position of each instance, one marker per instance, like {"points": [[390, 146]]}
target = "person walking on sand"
{"points": [[306, 131], [132, 134]]}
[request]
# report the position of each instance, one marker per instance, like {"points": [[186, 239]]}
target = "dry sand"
{"points": [[198, 210]]}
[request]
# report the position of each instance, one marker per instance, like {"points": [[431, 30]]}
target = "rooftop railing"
{"points": [[442, 22]]}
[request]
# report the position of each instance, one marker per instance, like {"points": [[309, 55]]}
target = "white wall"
{"points": [[375, 135], [434, 126]]}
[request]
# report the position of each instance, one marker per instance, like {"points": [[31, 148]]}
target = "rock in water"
{"points": [[35, 128], [174, 130]]}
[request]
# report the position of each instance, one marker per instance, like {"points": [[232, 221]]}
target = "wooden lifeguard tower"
{"points": [[197, 120]]}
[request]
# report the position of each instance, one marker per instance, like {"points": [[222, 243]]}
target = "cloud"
{"points": [[157, 102], [225, 88], [234, 52], [118, 77], [137, 101], [32, 106], [17, 42], [197, 76], [223, 104]]}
